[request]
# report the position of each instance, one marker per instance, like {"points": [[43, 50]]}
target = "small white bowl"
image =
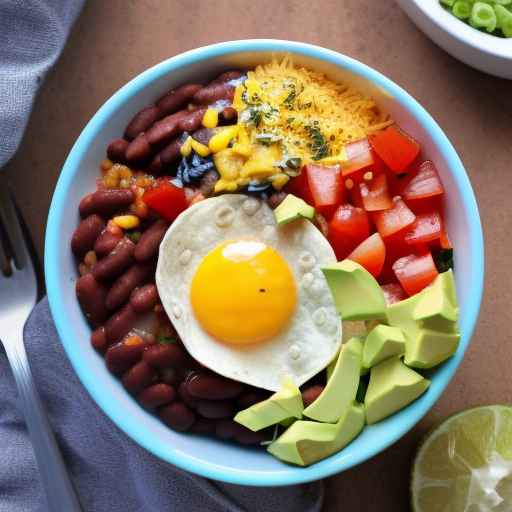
{"points": [[480, 50]]}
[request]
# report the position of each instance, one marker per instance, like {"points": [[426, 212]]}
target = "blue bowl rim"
{"points": [[289, 475]]}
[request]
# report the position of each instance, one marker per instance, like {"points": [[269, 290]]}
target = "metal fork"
{"points": [[18, 294]]}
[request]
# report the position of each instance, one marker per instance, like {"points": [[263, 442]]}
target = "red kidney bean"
{"points": [[165, 129], [141, 121], [215, 409], [176, 99], [186, 397], [92, 295], [139, 149], [147, 247], [192, 121], [178, 416], [251, 397], [227, 76], [124, 285], [229, 115], [171, 152], [157, 395], [120, 324], [311, 393], [246, 436], [138, 377], [203, 426], [106, 201], [116, 150], [170, 355], [122, 356], [203, 135], [212, 387], [213, 92], [275, 199], [86, 234], [144, 299], [226, 428], [115, 262], [99, 339], [155, 166], [106, 243]]}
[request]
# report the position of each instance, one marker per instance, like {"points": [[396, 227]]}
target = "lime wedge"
{"points": [[465, 464]]}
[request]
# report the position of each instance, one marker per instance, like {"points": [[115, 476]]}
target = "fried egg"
{"points": [[247, 296]]}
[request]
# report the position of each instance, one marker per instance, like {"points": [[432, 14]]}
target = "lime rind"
{"points": [[466, 463]]}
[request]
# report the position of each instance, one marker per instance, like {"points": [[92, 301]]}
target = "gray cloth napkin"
{"points": [[111, 472]]}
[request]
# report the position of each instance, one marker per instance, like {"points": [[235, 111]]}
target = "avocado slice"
{"points": [[286, 403], [392, 386], [356, 293], [306, 442], [383, 341], [340, 390], [349, 330], [429, 322], [293, 208]]}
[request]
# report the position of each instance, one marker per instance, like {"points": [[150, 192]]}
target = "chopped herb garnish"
{"points": [[167, 340], [319, 146], [293, 163], [255, 116], [444, 260], [288, 101], [134, 236], [268, 138]]}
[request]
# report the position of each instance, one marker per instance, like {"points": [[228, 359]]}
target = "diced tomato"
{"points": [[360, 157], [354, 194], [326, 186], [166, 199], [375, 194], [396, 247], [348, 227], [370, 254], [397, 149], [426, 228], [299, 187], [393, 293], [425, 184], [394, 219], [414, 272]]}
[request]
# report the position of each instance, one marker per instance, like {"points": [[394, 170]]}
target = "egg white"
{"points": [[313, 335]]}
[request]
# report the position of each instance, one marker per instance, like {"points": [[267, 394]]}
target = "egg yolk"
{"points": [[243, 292]]}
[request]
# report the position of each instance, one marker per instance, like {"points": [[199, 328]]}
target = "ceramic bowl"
{"points": [[478, 49], [206, 456]]}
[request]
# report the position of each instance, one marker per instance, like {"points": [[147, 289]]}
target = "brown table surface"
{"points": [[115, 40]]}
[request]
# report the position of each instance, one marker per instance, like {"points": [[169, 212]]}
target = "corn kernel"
{"points": [[105, 165], [211, 118], [349, 184], [83, 269], [229, 186], [199, 148], [186, 147], [90, 258], [222, 139], [368, 176], [280, 180], [126, 221], [124, 183], [141, 209], [114, 229], [242, 149], [125, 172], [133, 340]]}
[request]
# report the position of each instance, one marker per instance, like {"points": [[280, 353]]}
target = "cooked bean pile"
{"points": [[116, 245]]}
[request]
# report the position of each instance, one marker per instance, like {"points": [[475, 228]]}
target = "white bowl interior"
{"points": [[216, 455]]}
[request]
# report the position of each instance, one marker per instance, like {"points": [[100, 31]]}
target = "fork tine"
{"points": [[11, 224], [5, 266]]}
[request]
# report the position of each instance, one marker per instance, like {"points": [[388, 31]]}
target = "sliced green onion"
{"points": [[462, 9], [483, 16], [504, 17]]}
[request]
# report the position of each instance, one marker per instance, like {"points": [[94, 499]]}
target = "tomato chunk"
{"points": [[326, 186], [299, 187], [394, 219], [414, 272], [370, 254], [166, 199], [375, 195], [393, 293], [348, 227], [426, 228], [425, 184], [360, 157], [397, 149]]}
